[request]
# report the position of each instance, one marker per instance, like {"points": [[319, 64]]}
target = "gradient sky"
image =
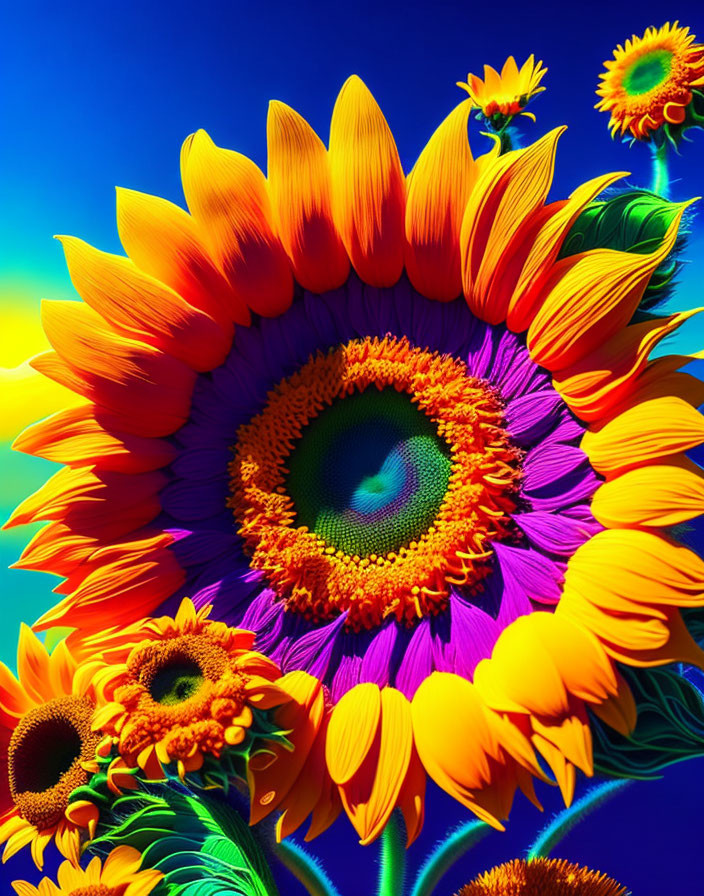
{"points": [[98, 95]]}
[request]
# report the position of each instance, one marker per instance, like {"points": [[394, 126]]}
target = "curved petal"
{"points": [[227, 195], [299, 185], [368, 186], [438, 189]]}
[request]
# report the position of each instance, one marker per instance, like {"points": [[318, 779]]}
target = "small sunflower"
{"points": [[188, 688], [501, 97], [46, 740], [542, 877], [119, 875], [652, 81]]}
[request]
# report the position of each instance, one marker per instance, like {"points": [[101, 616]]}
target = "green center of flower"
{"points": [[647, 72], [176, 682], [369, 473]]}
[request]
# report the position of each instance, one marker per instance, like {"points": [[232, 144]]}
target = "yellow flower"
{"points": [[46, 735], [506, 94], [649, 83], [542, 877], [118, 876]]}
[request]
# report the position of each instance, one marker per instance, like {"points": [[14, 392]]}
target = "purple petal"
{"points": [[539, 577], [347, 675], [462, 636], [188, 500], [531, 416], [202, 463], [192, 548], [417, 663], [313, 651], [377, 660], [555, 533]]}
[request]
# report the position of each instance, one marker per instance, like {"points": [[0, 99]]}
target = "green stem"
{"points": [[446, 853], [661, 179], [504, 136], [563, 823], [392, 861], [306, 869]]}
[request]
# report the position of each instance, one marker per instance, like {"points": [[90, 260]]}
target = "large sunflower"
{"points": [[377, 472], [45, 741], [651, 81]]}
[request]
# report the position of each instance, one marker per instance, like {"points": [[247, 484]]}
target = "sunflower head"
{"points": [[500, 97], [542, 877], [654, 85], [118, 875], [47, 736], [188, 690]]}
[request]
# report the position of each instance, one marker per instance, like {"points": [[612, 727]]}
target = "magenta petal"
{"points": [[539, 577], [417, 662], [377, 660]]}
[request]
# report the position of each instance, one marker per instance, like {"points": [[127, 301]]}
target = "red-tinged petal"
{"points": [[411, 799], [607, 376], [438, 189], [139, 307], [76, 436], [562, 769], [527, 295], [108, 505], [353, 727], [13, 697], [300, 190], [642, 433], [227, 195], [368, 186], [125, 582], [571, 735], [56, 548], [149, 391], [165, 241], [62, 668], [33, 665], [505, 197], [660, 495]]}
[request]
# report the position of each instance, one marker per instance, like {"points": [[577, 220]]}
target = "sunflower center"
{"points": [[647, 72], [373, 481], [175, 682], [96, 890], [369, 474], [44, 757]]}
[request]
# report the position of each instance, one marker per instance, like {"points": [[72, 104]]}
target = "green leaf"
{"points": [[631, 221], [670, 726]]}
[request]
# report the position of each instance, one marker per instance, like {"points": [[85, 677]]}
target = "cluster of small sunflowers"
{"points": [[401, 442]]}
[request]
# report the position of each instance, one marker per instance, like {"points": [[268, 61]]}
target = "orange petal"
{"points": [[372, 794], [227, 195], [411, 799], [271, 780], [75, 436], [438, 189], [56, 548], [33, 665], [164, 240], [527, 294], [505, 198], [353, 727], [618, 711], [589, 298], [84, 814], [148, 390], [644, 432], [368, 186], [299, 186], [142, 308], [562, 769], [606, 377], [571, 735]]}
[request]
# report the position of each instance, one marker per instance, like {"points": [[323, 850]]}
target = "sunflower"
{"points": [[119, 875], [395, 480], [651, 82], [188, 689], [503, 96], [542, 877], [45, 739]]}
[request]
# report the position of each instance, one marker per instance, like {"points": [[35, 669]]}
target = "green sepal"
{"points": [[631, 221], [670, 726]]}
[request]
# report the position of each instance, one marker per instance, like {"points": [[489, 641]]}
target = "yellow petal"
{"points": [[438, 189], [368, 186], [166, 242], [589, 298], [299, 185], [227, 195], [505, 199], [644, 432], [353, 726]]}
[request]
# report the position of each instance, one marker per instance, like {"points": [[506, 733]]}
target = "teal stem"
{"points": [[445, 854], [506, 139], [392, 861], [661, 178], [306, 869], [563, 823]]}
